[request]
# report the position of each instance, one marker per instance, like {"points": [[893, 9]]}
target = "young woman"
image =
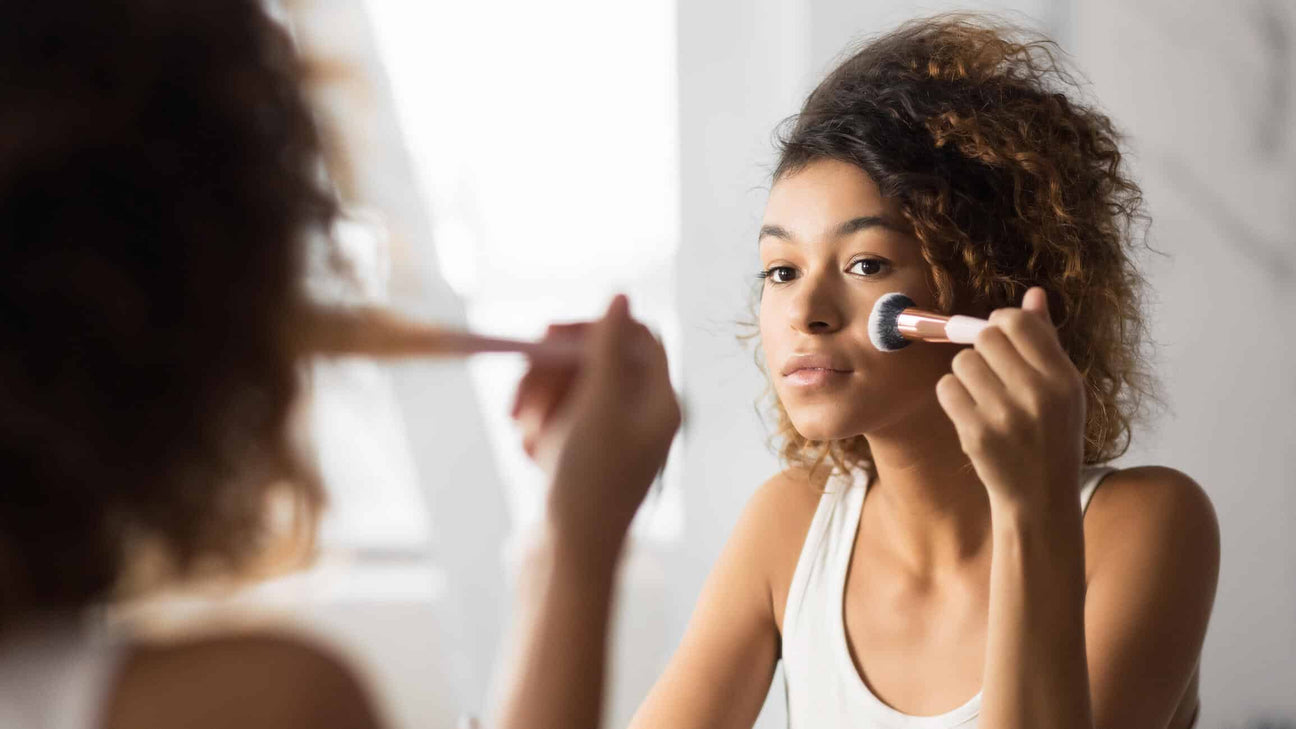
{"points": [[160, 177], [939, 552]]}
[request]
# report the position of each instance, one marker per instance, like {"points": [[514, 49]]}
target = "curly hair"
{"points": [[1007, 183], [160, 176]]}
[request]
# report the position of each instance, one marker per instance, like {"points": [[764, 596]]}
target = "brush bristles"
{"points": [[882, 323]]}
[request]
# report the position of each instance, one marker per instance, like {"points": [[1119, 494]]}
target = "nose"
{"points": [[817, 306]]}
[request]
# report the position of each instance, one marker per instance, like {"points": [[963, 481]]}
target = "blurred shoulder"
{"points": [[250, 680]]}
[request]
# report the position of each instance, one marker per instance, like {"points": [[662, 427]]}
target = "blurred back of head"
{"points": [[159, 177]]}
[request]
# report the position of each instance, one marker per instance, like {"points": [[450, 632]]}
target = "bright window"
{"points": [[544, 135]]}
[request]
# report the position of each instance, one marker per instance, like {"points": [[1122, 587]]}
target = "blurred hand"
{"points": [[600, 428]]}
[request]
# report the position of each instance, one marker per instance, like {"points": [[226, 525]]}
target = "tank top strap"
{"points": [[1090, 477], [826, 551]]}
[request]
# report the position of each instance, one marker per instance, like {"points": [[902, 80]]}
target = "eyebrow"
{"points": [[854, 225]]}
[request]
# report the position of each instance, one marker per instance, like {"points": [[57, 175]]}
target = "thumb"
{"points": [[1036, 300], [608, 343]]}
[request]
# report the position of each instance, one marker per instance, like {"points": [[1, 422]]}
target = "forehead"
{"points": [[824, 193]]}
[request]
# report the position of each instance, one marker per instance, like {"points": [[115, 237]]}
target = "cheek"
{"points": [[916, 369], [770, 332]]}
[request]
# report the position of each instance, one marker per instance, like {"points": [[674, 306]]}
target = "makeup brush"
{"points": [[376, 332], [895, 322]]}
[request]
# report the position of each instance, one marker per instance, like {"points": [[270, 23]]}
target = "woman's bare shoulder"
{"points": [[775, 523], [783, 506], [1157, 506], [248, 680]]}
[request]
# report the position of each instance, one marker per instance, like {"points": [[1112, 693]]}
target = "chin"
{"points": [[824, 422]]}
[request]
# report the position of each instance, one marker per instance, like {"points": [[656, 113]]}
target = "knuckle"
{"points": [[675, 417], [1034, 400], [975, 438], [1018, 421], [993, 336], [1013, 320], [1002, 420]]}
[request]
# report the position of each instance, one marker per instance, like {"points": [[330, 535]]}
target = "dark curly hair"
{"points": [[1007, 182], [160, 173]]}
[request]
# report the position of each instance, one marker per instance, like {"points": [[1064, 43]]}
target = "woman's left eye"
{"points": [[867, 267]]}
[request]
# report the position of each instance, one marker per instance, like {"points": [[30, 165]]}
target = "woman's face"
{"points": [[830, 245]]}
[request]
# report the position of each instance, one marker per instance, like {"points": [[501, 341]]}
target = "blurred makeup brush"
{"points": [[377, 332], [895, 322]]}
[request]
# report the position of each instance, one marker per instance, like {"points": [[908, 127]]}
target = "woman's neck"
{"points": [[929, 508]]}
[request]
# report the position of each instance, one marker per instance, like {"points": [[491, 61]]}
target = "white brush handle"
{"points": [[964, 329]]}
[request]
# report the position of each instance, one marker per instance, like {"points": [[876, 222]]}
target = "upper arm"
{"points": [[721, 672], [1153, 572], [250, 681]]}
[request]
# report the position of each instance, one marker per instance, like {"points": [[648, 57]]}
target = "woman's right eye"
{"points": [[778, 274]]}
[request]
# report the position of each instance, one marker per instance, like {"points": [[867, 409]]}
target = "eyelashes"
{"points": [[786, 274], [880, 265], [775, 274]]}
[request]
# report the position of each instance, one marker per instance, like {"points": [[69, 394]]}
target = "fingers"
{"points": [[540, 394], [1032, 333], [621, 359], [546, 383], [1016, 366], [1001, 355], [980, 381], [624, 353], [956, 401], [610, 342], [1036, 301]]}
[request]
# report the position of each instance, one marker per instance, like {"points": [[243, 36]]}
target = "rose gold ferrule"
{"points": [[918, 324]]}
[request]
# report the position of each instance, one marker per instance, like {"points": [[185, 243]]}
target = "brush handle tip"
{"points": [[964, 329]]}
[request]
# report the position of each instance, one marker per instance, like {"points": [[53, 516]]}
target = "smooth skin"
{"points": [[973, 568], [620, 390]]}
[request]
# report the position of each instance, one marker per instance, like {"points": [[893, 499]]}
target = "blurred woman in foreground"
{"points": [[160, 178]]}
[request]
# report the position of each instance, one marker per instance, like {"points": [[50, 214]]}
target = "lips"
{"points": [[809, 363]]}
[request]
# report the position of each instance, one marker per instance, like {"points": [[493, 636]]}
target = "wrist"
{"points": [[590, 511], [1042, 554], [1056, 527], [593, 550], [1052, 506]]}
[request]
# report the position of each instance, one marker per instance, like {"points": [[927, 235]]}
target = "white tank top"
{"points": [[824, 690], [57, 675]]}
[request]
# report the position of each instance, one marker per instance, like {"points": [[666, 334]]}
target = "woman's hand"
{"points": [[600, 428], [1018, 404]]}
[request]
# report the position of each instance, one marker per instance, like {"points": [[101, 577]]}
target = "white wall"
{"points": [[1207, 98], [741, 67]]}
